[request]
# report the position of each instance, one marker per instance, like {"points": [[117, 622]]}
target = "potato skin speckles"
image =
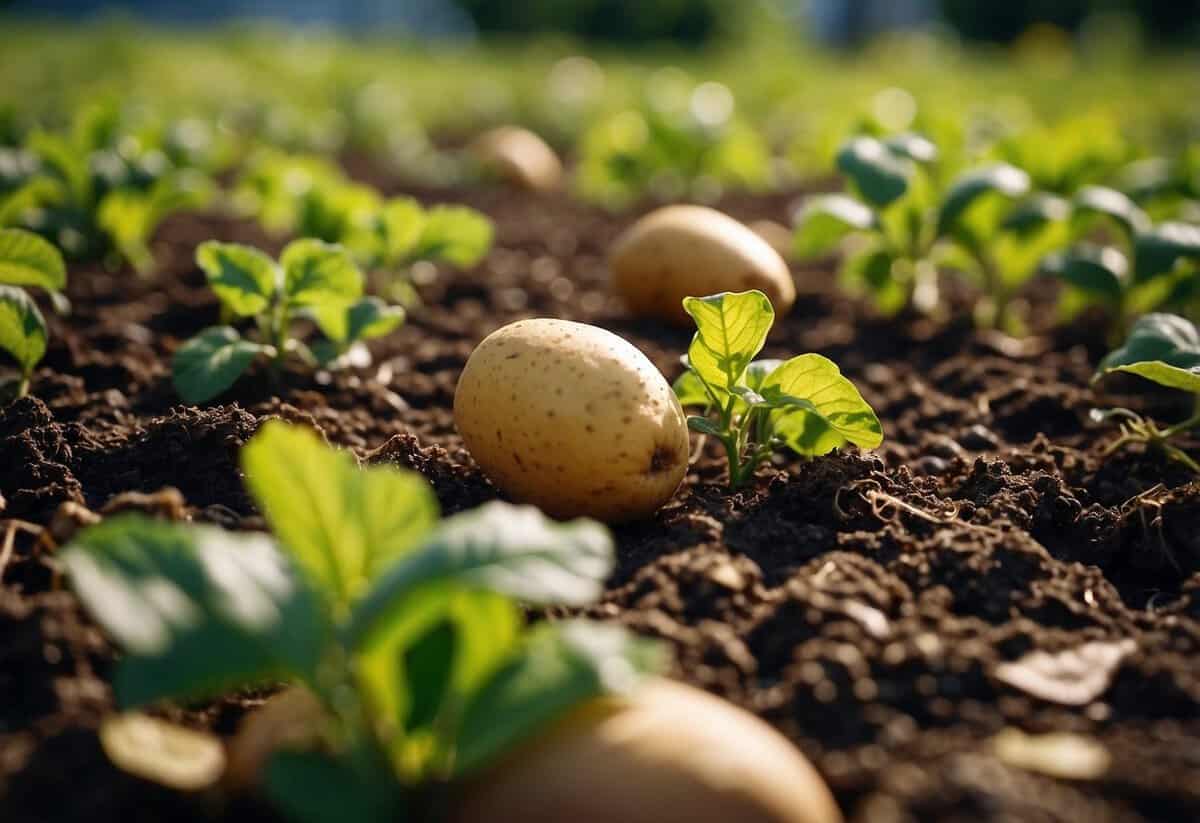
{"points": [[681, 251], [580, 424]]}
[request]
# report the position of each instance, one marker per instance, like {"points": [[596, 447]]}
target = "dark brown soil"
{"points": [[862, 603]]}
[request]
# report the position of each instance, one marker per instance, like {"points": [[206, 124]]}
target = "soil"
{"points": [[873, 607]]}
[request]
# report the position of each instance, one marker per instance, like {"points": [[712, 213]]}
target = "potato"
{"points": [[573, 419], [520, 157], [777, 235], [681, 251], [668, 754], [155, 750]]}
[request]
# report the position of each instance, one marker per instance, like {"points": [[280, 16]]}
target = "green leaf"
{"points": [[318, 787], [315, 272], [401, 222], [1164, 374], [827, 219], [1101, 271], [1035, 212], [28, 260], [1157, 251], [365, 319], [511, 550], [428, 667], [456, 234], [244, 279], [689, 388], [560, 666], [913, 146], [1092, 201], [872, 270], [22, 328], [341, 524], [830, 411], [704, 426], [731, 329], [1161, 337], [197, 610], [211, 362], [1000, 179], [879, 174]]}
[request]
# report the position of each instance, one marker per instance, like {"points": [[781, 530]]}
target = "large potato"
{"points": [[520, 157], [668, 754], [573, 419], [681, 251]]}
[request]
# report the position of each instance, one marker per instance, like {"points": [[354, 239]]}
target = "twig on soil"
{"points": [[1151, 499], [881, 502], [10, 536]]}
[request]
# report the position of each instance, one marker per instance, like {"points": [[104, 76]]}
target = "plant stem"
{"points": [[23, 386]]}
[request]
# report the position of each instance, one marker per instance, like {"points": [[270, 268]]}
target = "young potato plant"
{"points": [[407, 630], [754, 407], [26, 260], [312, 198], [906, 224], [312, 279], [99, 191], [1141, 268], [1165, 349], [1168, 188]]}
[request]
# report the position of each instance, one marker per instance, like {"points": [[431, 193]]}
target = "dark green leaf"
{"points": [[211, 362], [1092, 201], [827, 219], [512, 550], [343, 525], [704, 426], [913, 146], [1000, 179], [1157, 337], [243, 278], [879, 174], [28, 260], [561, 666], [317, 787], [1035, 212], [1157, 251], [428, 665], [22, 328], [1101, 271], [197, 610], [731, 329]]}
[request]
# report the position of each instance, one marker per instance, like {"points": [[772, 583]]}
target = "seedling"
{"points": [[687, 143], [1144, 267], [1165, 349], [311, 198], [754, 407], [905, 226], [96, 192], [26, 260], [406, 629], [312, 279]]}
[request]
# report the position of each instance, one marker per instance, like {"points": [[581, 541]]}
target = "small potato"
{"points": [[520, 157], [777, 235], [573, 419], [667, 754], [681, 251]]}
